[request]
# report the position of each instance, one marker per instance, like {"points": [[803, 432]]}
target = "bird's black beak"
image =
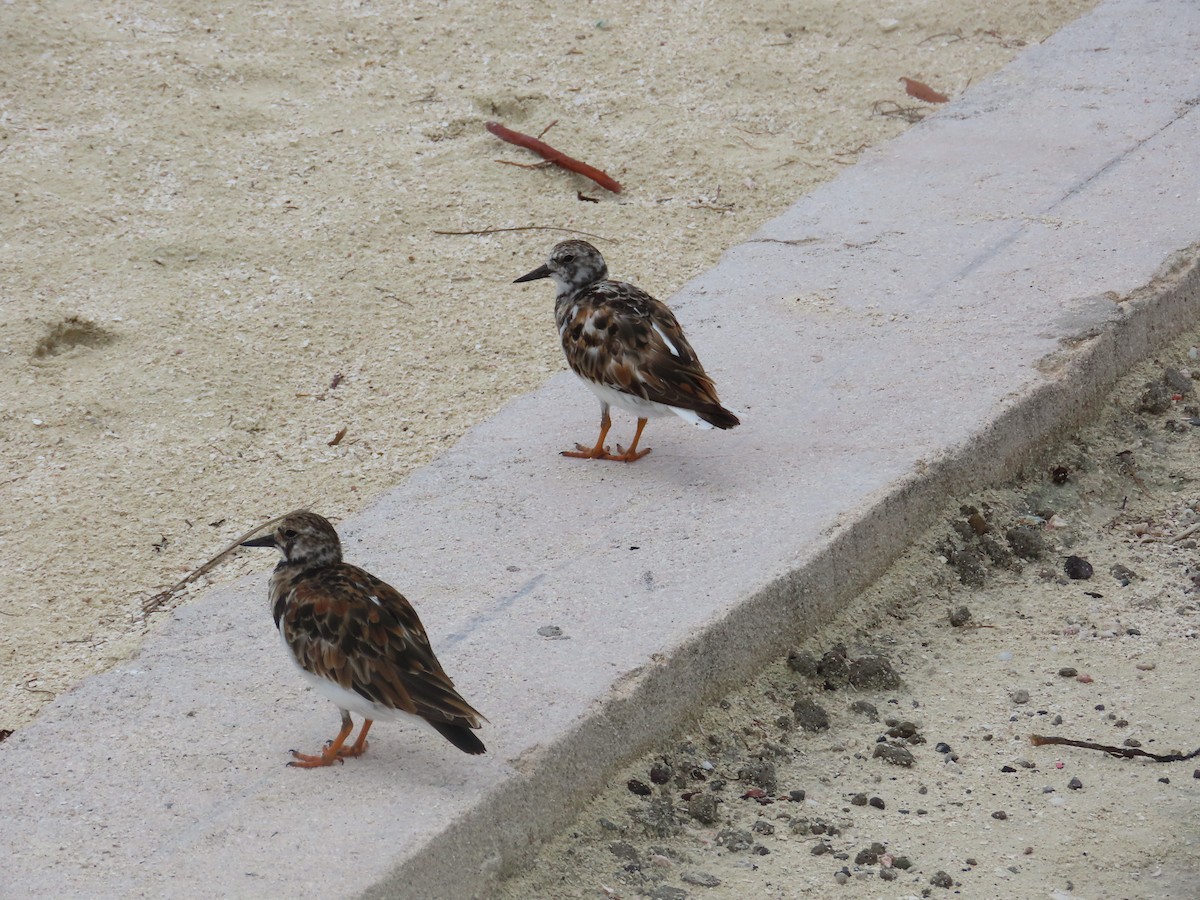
{"points": [[267, 540], [539, 272]]}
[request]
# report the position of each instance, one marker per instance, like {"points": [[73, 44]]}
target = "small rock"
{"points": [[942, 747], [869, 856], [796, 796], [902, 862], [877, 802], [820, 849], [971, 570], [735, 839], [1123, 574], [622, 850], [834, 668], [941, 879], [1068, 672], [762, 826], [703, 808], [1156, 399], [1084, 678], [700, 879], [1075, 784], [864, 708], [1000, 814], [802, 663], [960, 616], [1077, 568], [842, 877], [660, 772], [1145, 666], [873, 673], [887, 874], [897, 756], [657, 818], [810, 716], [858, 800], [1020, 696], [760, 773], [1178, 382], [638, 787], [1026, 542]]}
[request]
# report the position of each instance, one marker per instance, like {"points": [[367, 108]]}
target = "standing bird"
{"points": [[357, 641], [627, 347]]}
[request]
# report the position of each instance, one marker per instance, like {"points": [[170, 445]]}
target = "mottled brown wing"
{"points": [[618, 335], [346, 625]]}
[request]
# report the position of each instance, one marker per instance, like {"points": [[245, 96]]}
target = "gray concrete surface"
{"points": [[915, 327]]}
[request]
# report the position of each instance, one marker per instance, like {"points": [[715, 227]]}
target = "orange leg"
{"points": [[631, 455], [334, 751], [597, 452]]}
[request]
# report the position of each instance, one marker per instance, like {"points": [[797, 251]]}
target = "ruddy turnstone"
{"points": [[357, 641], [627, 347]]}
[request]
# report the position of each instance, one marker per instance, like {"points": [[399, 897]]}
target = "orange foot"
{"points": [[630, 455], [582, 452], [335, 750]]}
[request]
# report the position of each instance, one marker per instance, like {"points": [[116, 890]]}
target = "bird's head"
{"points": [[304, 538], [572, 265]]}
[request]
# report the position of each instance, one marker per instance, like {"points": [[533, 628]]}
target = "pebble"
{"points": [[858, 800], [960, 616], [810, 716], [1145, 666], [877, 802], [1000, 814], [942, 747], [865, 708], [760, 773], [1075, 784], [802, 663], [1068, 672], [1085, 679], [887, 874], [638, 787], [873, 673], [842, 877], [941, 879], [869, 856], [894, 755], [1078, 568], [1020, 696], [700, 879], [1026, 542], [660, 773], [703, 808]]}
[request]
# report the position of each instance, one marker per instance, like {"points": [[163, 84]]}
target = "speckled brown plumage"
{"points": [[358, 639], [627, 346]]}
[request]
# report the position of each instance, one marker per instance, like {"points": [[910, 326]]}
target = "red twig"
{"points": [[922, 91], [557, 157]]}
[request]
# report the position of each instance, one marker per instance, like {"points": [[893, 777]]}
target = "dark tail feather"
{"points": [[461, 737], [718, 417]]}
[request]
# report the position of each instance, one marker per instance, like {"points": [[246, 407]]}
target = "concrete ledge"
{"points": [[910, 331]]}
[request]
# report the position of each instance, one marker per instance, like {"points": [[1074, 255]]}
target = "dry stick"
{"points": [[152, 604], [1128, 752], [531, 228], [545, 151]]}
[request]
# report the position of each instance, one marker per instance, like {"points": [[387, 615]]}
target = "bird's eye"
{"points": [[290, 534], [570, 257]]}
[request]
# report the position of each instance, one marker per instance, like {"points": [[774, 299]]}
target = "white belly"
{"points": [[643, 409]]}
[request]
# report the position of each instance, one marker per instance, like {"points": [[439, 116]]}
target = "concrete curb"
{"points": [[915, 329]]}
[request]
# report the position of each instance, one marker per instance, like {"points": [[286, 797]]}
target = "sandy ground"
{"points": [[760, 798], [218, 245]]}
